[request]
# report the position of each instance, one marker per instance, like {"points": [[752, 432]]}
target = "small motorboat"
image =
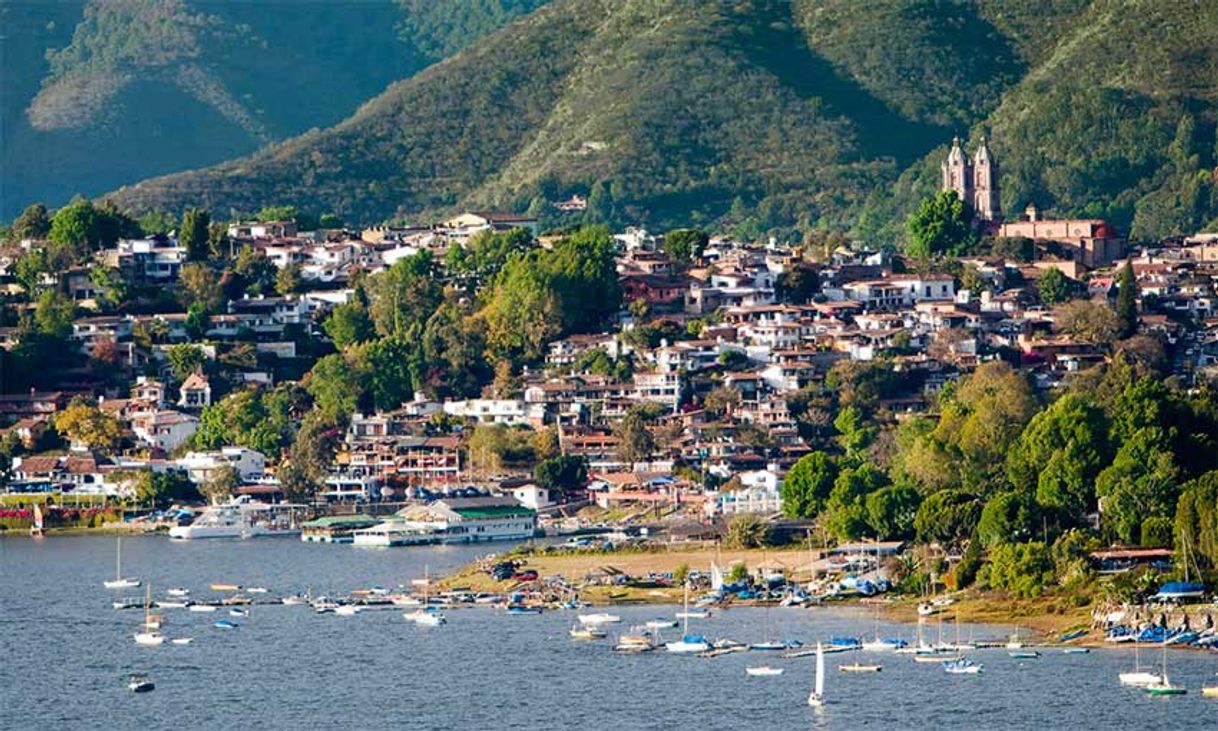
{"points": [[1076, 651], [859, 668], [660, 623], [599, 618], [521, 609], [347, 610], [295, 599], [587, 633], [257, 590], [178, 592], [634, 644], [425, 618], [140, 684], [169, 604], [149, 639], [238, 612], [693, 615], [961, 666], [769, 646], [226, 587], [183, 640], [1210, 691], [763, 671], [224, 624], [201, 608], [1024, 654]]}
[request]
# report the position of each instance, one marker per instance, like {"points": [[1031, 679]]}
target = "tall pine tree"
{"points": [[1127, 306]]}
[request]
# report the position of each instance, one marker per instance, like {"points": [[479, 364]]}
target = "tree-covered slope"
{"points": [[107, 92], [768, 114]]}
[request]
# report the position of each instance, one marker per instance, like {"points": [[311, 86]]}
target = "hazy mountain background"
{"points": [[106, 92], [760, 115]]}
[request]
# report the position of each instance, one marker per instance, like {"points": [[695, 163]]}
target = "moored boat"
{"points": [[119, 581], [140, 684], [859, 668], [763, 671]]}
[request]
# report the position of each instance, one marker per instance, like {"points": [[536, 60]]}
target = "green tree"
{"points": [[891, 511], [33, 223], [162, 488], [1196, 523], [947, 517], [198, 283], [288, 280], [854, 434], [1054, 287], [335, 386], [30, 268], [349, 324], [193, 234], [86, 424], [1088, 321], [1008, 517], [637, 443], [110, 287], [1024, 569], [390, 368], [562, 473], [747, 531], [1060, 453], [53, 315], [184, 359], [941, 225], [1127, 300], [846, 508], [1140, 483], [75, 226], [807, 485], [685, 245], [221, 484], [404, 296]]}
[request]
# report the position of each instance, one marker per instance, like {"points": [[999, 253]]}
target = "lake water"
{"points": [[65, 654]]}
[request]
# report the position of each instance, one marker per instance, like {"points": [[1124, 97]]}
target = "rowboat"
{"points": [[859, 668]]}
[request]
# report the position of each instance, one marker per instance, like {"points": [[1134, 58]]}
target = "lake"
{"points": [[66, 653]]}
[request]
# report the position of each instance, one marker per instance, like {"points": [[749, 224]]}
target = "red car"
{"points": [[529, 575]]}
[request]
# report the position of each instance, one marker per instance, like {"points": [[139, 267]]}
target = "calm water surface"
{"points": [[66, 651]]}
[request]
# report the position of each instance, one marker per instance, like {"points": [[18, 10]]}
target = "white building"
{"points": [[165, 430], [201, 466]]}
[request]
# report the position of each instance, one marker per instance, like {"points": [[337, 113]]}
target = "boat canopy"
{"points": [[1180, 590]]}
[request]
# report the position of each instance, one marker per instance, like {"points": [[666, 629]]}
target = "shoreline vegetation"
{"points": [[1046, 617]]}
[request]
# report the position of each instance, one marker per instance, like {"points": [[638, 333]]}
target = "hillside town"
{"points": [[721, 365]]}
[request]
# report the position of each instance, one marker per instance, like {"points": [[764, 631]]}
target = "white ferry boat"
{"points": [[456, 520], [242, 517]]}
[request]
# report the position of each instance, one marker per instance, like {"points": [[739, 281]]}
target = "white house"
{"points": [[165, 430], [533, 497], [200, 466]]}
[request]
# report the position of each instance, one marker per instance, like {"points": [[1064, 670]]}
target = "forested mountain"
{"points": [[767, 115], [105, 92]]}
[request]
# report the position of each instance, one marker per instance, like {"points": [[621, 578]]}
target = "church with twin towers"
{"points": [[975, 180]]}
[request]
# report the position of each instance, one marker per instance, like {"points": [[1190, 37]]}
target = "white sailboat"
{"points": [[688, 643], [817, 697], [119, 581], [1138, 678], [426, 616], [151, 636]]}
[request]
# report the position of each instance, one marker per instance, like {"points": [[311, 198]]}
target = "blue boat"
{"points": [[1072, 635], [224, 624], [849, 643], [523, 610]]}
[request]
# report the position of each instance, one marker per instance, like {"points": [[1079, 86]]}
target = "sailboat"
{"points": [[769, 644], [688, 643], [1138, 677], [426, 616], [151, 635], [36, 527], [1164, 686], [817, 697], [119, 582]]}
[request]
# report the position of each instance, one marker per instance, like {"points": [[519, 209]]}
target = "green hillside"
{"points": [[107, 92], [772, 114]]}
